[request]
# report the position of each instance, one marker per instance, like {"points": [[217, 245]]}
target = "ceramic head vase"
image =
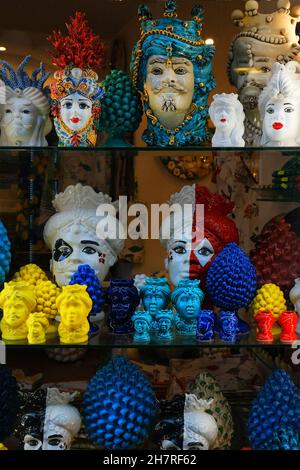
{"points": [[187, 299], [155, 294], [24, 108], [227, 115], [264, 38], [186, 423], [75, 236], [279, 107], [193, 239], [171, 67], [75, 92]]}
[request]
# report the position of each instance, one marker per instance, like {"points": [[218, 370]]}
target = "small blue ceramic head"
{"points": [[205, 325], [142, 321], [165, 322], [123, 298], [5, 255], [181, 52], [155, 294], [228, 326], [85, 275], [274, 418], [231, 279], [119, 406], [187, 298]]}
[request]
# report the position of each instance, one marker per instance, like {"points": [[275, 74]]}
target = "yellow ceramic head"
{"points": [[2, 446], [74, 304], [269, 297], [37, 324]]}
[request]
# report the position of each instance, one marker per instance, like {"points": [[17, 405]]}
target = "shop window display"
{"points": [[190, 342]]}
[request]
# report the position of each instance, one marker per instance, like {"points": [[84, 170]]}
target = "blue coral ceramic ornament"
{"points": [[171, 68], [75, 91], [205, 325], [187, 299], [20, 92], [85, 275], [231, 281], [142, 322], [274, 419], [227, 326], [5, 254], [123, 298], [155, 295], [121, 108], [165, 324], [119, 405]]}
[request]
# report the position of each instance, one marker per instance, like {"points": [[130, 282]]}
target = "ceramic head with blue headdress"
{"points": [[75, 92], [187, 298], [171, 67], [24, 105]]}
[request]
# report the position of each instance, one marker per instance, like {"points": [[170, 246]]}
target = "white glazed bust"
{"points": [[71, 234], [279, 106], [227, 115], [24, 109], [263, 39], [169, 87], [295, 299]]}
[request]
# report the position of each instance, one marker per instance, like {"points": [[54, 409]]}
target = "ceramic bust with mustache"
{"points": [[279, 106], [227, 115]]}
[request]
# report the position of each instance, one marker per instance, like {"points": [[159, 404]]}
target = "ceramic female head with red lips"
{"points": [[195, 238]]}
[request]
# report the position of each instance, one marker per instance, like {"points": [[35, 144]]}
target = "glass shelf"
{"points": [[106, 339], [268, 193]]}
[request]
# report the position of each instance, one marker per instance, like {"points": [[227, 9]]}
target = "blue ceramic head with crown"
{"points": [[155, 295], [123, 298], [142, 322], [171, 68], [187, 299]]}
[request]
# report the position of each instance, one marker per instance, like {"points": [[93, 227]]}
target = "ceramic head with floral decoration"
{"points": [[193, 239], [171, 67], [186, 423], [75, 237], [263, 39], [227, 115], [187, 298], [74, 305], [76, 92], [17, 300], [25, 106], [279, 107]]}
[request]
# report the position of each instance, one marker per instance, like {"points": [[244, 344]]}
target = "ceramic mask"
{"points": [[72, 235], [171, 68], [227, 115], [24, 106], [263, 40], [192, 245], [76, 111]]}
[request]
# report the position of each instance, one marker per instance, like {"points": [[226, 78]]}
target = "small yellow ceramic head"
{"points": [[31, 274], [269, 297], [2, 447], [37, 325]]}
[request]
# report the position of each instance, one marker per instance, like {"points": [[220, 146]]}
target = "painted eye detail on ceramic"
{"points": [[270, 110], [205, 251], [54, 441], [62, 250], [68, 105], [7, 111], [157, 71], [265, 69], [289, 109], [181, 71], [89, 250], [26, 111], [180, 250], [84, 106]]}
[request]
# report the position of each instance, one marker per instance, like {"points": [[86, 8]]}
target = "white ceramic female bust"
{"points": [[295, 299], [279, 107], [227, 115], [24, 109], [73, 237]]}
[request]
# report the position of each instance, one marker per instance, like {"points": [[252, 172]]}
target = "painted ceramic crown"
{"points": [[170, 36]]}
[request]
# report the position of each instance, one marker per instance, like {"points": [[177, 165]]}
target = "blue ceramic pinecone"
{"points": [[231, 279], [119, 405], [8, 402], [121, 107], [274, 419], [5, 255], [85, 275]]}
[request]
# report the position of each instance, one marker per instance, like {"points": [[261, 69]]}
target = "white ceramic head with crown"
{"points": [[263, 39], [227, 115], [75, 235]]}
